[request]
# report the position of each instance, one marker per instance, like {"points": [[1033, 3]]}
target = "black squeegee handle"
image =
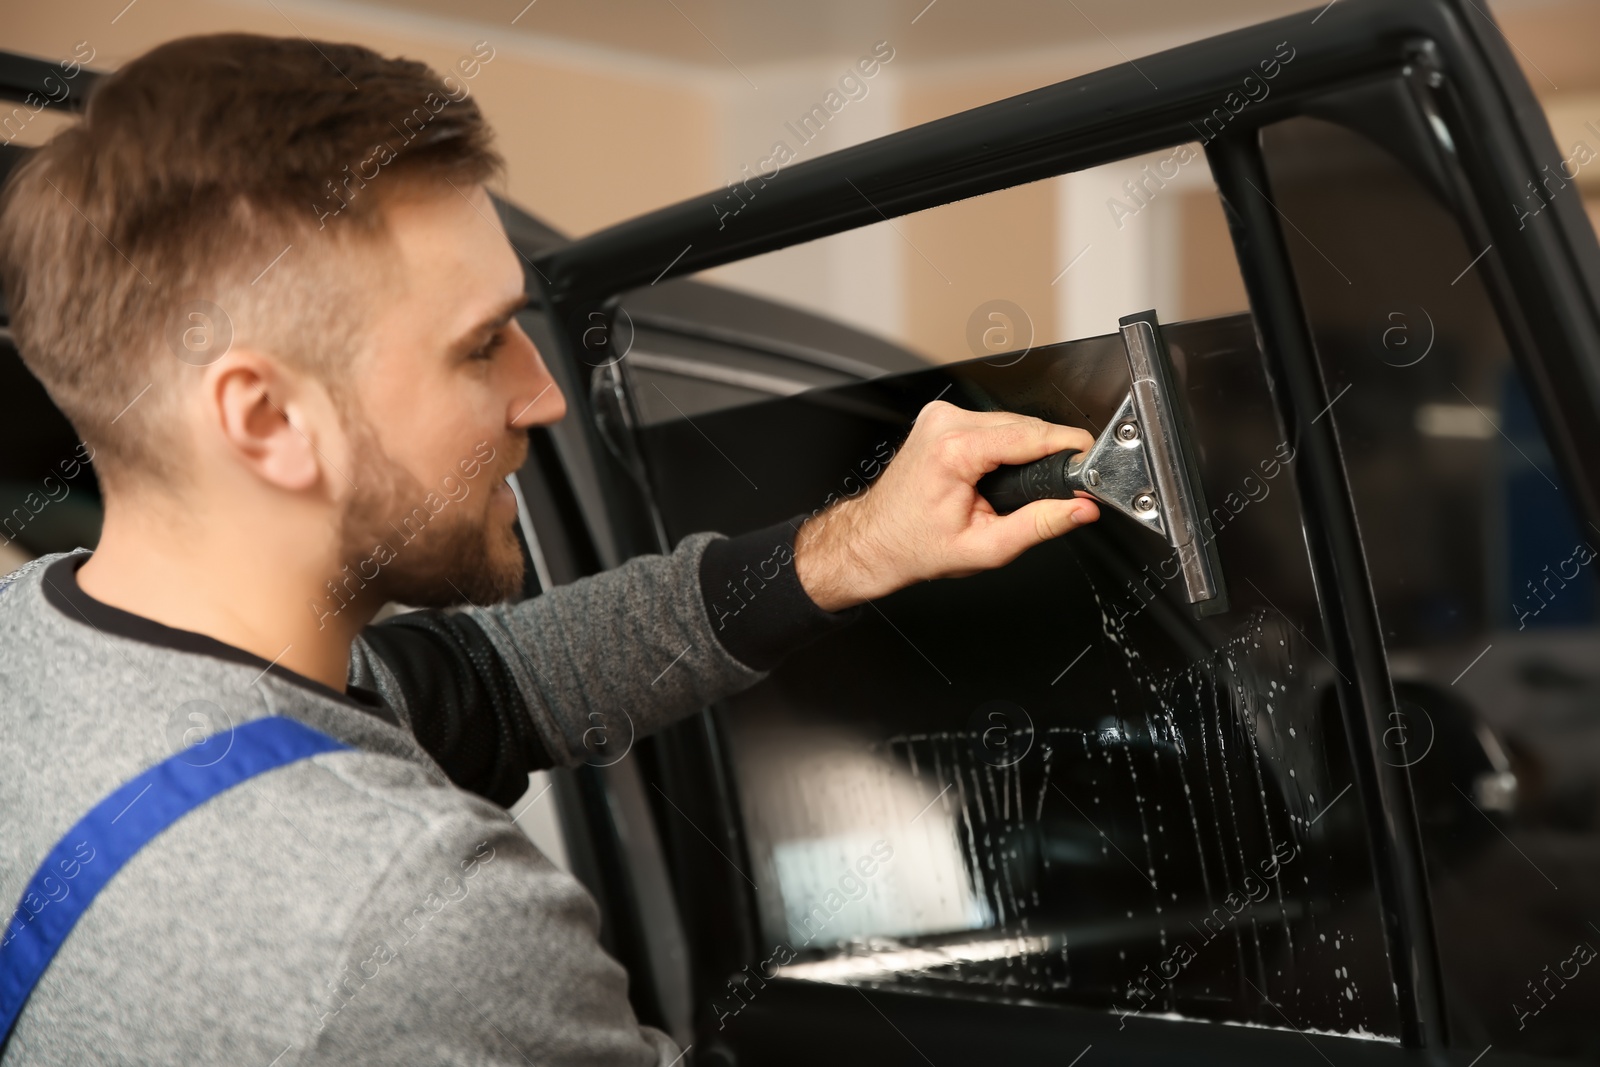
{"points": [[1008, 489]]}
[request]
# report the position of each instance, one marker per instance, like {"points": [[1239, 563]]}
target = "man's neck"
{"points": [[251, 595]]}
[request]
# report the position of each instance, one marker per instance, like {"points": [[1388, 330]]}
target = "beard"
{"points": [[463, 553]]}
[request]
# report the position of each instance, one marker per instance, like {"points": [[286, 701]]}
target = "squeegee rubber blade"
{"points": [[1187, 467]]}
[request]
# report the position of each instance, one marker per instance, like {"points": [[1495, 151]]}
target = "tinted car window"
{"points": [[1051, 782], [1484, 574]]}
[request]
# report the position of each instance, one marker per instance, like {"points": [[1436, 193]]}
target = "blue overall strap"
{"points": [[92, 852]]}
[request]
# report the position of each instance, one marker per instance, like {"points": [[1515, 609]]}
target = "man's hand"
{"points": [[924, 518]]}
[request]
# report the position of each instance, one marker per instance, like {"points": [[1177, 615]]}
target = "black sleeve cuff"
{"points": [[758, 608]]}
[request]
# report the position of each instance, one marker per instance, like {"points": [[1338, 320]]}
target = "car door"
{"points": [[1047, 813], [1479, 546]]}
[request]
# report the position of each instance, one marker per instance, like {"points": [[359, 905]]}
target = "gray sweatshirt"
{"points": [[374, 905]]}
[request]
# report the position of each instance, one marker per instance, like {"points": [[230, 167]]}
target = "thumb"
{"points": [[1036, 523]]}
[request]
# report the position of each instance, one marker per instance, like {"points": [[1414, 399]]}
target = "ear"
{"points": [[267, 418]]}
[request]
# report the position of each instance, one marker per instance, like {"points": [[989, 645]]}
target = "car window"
{"points": [[1029, 265], [1484, 571], [49, 497], [695, 346], [1051, 782]]}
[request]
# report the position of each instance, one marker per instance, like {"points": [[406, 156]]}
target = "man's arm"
{"points": [[495, 692]]}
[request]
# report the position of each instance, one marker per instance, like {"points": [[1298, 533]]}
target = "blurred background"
{"points": [[608, 110]]}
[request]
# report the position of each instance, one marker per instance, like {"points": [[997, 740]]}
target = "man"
{"points": [[264, 279]]}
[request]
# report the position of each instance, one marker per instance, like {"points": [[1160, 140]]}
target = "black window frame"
{"points": [[1457, 71]]}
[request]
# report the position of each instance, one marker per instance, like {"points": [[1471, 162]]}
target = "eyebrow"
{"points": [[495, 320]]}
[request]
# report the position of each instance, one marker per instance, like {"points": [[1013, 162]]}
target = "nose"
{"points": [[536, 399]]}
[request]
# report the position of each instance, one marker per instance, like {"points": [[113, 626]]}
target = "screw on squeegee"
{"points": [[1144, 502], [1128, 431]]}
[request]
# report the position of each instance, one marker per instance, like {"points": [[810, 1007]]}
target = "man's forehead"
{"points": [[453, 265]]}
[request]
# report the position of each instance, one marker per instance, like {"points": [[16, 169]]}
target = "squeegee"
{"points": [[1142, 465]]}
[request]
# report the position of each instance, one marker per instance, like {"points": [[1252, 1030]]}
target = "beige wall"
{"points": [[1011, 244], [1575, 120], [1014, 245], [1000, 246], [593, 136], [590, 137]]}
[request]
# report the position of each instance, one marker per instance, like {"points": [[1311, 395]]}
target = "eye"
{"points": [[486, 351]]}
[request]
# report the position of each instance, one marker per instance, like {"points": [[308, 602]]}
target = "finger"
{"points": [[938, 411], [949, 421], [1023, 442], [1043, 520], [950, 417]]}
